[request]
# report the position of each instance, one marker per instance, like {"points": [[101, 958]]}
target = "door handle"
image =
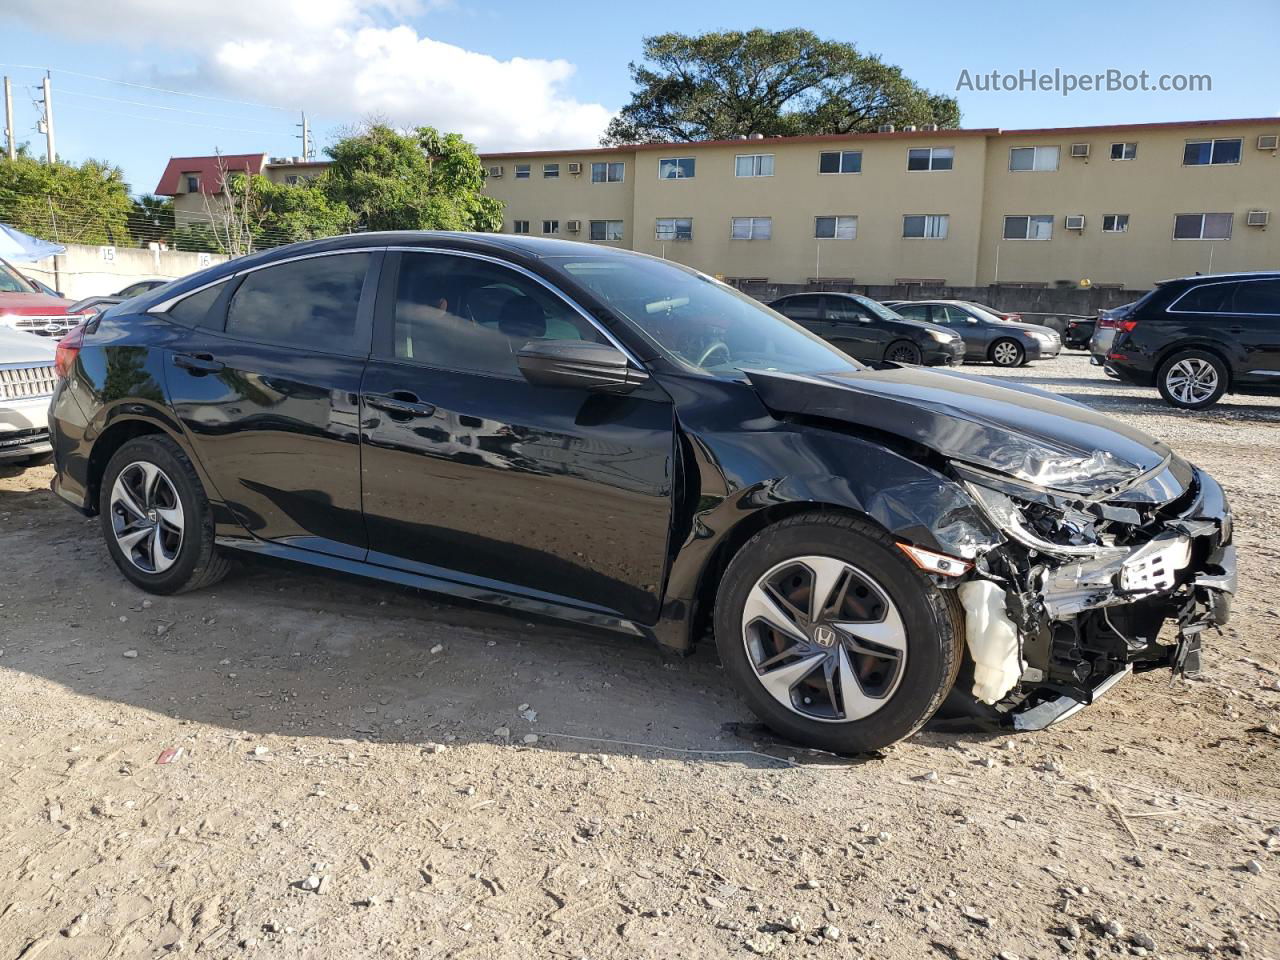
{"points": [[400, 402], [198, 362]]}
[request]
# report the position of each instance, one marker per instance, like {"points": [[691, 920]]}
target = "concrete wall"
{"points": [[86, 271]]}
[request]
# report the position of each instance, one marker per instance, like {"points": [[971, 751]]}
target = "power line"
{"points": [[183, 123], [148, 104], [145, 86]]}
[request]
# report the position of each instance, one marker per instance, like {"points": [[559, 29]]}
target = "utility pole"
{"points": [[305, 136], [48, 118], [9, 146]]}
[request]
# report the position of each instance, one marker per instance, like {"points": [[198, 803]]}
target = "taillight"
{"points": [[1127, 324], [68, 349]]}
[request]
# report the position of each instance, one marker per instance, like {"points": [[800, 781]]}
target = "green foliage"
{"points": [[420, 181], [196, 238], [725, 84], [65, 203], [151, 220]]}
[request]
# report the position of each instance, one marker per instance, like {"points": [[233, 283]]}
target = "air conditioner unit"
{"points": [[1074, 221], [575, 168], [886, 128], [929, 127], [1258, 218], [908, 128], [573, 226], [495, 172], [1268, 141], [1080, 150]]}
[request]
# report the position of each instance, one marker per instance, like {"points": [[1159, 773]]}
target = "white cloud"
{"points": [[349, 58]]}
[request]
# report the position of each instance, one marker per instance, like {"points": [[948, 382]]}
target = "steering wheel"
{"points": [[710, 351]]}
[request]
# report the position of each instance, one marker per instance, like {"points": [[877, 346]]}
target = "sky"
{"points": [[529, 75]]}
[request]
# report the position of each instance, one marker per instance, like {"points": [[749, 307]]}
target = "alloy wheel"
{"points": [[1005, 354], [146, 517], [824, 639], [904, 353], [1192, 380]]}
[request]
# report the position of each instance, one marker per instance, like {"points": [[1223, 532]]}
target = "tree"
{"points": [[717, 86], [301, 211], [64, 202], [151, 220], [422, 180]]}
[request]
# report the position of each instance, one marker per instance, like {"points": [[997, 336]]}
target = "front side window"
{"points": [[754, 165], [840, 161], [1124, 151], [835, 228], [931, 158], [1202, 226], [800, 308], [673, 228], [1037, 159], [313, 301], [1199, 153], [522, 171], [698, 322], [676, 168], [1036, 227], [550, 171], [1115, 222], [519, 226], [461, 313], [611, 172], [550, 226], [606, 230], [751, 228], [913, 311], [931, 226], [12, 282]]}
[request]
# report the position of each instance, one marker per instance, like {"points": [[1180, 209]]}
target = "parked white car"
{"points": [[27, 380]]}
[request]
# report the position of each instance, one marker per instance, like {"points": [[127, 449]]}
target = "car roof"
{"points": [[1215, 277]]}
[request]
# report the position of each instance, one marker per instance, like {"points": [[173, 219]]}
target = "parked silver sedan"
{"points": [[1006, 343]]}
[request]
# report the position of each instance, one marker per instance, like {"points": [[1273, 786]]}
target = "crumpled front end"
{"points": [[1093, 587]]}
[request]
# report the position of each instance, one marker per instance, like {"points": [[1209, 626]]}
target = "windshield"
{"points": [[701, 322], [985, 313], [876, 307], [11, 281]]}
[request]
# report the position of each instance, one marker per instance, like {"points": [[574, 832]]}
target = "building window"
{"points": [[1199, 153], [522, 171], [835, 228], [840, 161], [1037, 227], [931, 226], [1115, 222], [751, 228], [606, 229], [550, 226], [193, 182], [1033, 158], [1124, 151], [753, 165], [519, 226], [550, 171], [673, 228], [606, 173], [675, 168], [1202, 226], [931, 158]]}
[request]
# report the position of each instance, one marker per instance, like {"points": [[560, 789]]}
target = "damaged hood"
{"points": [[1019, 431]]}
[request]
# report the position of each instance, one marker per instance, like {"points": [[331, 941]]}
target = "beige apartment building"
{"points": [[195, 183], [1114, 205]]}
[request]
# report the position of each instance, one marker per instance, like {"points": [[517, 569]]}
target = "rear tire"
{"points": [[1007, 353], [902, 351], [156, 518], [845, 681], [1192, 379]]}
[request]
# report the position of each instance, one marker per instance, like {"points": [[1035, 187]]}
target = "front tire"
{"points": [[832, 637], [903, 351], [1192, 379], [1007, 353], [156, 518]]}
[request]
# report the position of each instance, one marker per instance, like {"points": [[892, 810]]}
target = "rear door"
{"points": [[474, 475], [975, 333], [1253, 324], [266, 382]]}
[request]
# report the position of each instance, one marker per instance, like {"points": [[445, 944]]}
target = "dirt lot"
{"points": [[372, 741]]}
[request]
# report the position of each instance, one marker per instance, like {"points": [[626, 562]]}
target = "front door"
{"points": [[854, 329], [473, 474], [266, 384]]}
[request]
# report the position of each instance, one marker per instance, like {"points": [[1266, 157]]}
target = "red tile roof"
{"points": [[209, 170]]}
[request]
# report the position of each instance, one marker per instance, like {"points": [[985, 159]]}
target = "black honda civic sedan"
{"points": [[615, 440]]}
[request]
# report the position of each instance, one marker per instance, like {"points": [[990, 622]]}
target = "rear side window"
{"points": [[312, 302], [1257, 296], [1210, 298], [194, 310]]}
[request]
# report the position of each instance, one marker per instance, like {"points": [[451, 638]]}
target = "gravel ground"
{"points": [[366, 771]]}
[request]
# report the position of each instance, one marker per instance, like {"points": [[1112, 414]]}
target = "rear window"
{"points": [[313, 302]]}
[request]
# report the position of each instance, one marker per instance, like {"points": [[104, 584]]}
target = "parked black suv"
{"points": [[616, 440], [1196, 338], [870, 331]]}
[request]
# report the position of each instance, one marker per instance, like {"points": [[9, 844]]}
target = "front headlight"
{"points": [[1034, 521], [941, 336], [1042, 338]]}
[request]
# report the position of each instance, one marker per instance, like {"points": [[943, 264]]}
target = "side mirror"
{"points": [[578, 364]]}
